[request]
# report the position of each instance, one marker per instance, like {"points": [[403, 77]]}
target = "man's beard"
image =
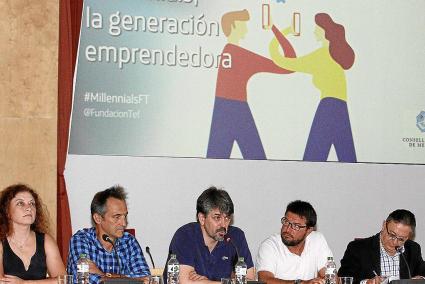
{"points": [[291, 243], [218, 237]]}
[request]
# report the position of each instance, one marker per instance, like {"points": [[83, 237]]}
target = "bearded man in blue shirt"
{"points": [[109, 215], [208, 249]]}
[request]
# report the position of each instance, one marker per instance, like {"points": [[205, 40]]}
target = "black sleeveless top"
{"points": [[13, 265]]}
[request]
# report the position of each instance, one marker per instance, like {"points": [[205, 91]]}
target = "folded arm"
{"points": [[54, 262], [188, 275], [269, 278]]}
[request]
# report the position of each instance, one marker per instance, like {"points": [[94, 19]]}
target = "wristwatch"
{"points": [[298, 281]]}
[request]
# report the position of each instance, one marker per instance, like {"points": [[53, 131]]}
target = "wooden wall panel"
{"points": [[28, 92]]}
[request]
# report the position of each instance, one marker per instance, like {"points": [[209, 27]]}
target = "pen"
{"points": [[374, 272]]}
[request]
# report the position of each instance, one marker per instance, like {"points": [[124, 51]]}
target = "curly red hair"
{"points": [[41, 223], [339, 48]]}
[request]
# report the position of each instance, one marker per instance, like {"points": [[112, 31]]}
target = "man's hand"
{"points": [[93, 268], [195, 277], [376, 280], [316, 280]]}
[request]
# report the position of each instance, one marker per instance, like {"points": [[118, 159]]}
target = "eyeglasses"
{"points": [[219, 218], [394, 237], [285, 222]]}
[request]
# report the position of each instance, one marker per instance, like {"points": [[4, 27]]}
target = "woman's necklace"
{"points": [[17, 244]]}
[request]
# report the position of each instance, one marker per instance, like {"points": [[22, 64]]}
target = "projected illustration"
{"points": [[252, 80]]}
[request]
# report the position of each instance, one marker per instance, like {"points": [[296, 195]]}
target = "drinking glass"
{"points": [[65, 279], [226, 281], [345, 280], [155, 279]]}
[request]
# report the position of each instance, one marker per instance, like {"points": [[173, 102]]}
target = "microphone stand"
{"points": [[229, 240], [106, 238], [400, 250], [148, 251]]}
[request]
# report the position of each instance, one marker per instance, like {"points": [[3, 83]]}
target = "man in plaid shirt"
{"points": [[109, 215]]}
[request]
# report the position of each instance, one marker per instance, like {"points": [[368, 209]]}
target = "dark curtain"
{"points": [[69, 30]]}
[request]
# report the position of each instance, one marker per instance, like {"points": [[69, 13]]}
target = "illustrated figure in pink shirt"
{"points": [[232, 119]]}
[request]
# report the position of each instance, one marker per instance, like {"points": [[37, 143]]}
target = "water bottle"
{"points": [[82, 270], [173, 270], [330, 273], [240, 271]]}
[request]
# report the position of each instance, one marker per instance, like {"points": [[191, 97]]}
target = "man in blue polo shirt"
{"points": [[208, 249]]}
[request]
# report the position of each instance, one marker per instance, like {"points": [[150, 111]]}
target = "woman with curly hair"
{"points": [[27, 251], [327, 65]]}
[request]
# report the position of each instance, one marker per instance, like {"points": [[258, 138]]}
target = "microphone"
{"points": [[400, 251], [228, 239], [106, 238], [148, 251]]}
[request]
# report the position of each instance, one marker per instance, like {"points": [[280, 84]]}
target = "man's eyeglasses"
{"points": [[285, 222], [394, 237], [219, 218]]}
